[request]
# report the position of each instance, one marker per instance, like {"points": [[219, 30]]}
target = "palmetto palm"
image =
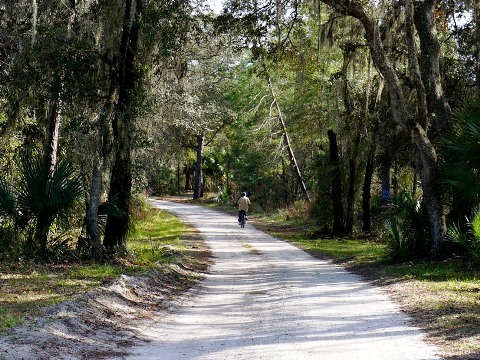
{"points": [[8, 200], [41, 196], [461, 172]]}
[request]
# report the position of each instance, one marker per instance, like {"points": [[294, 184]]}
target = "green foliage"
{"points": [[407, 229], [157, 242], [43, 196], [398, 243], [468, 236], [8, 200], [40, 198], [164, 26], [460, 175], [54, 64], [8, 241]]}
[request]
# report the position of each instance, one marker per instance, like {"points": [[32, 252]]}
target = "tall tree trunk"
{"points": [[178, 178], [366, 194], [399, 112], [429, 65], [288, 144], [352, 170], [188, 173], [337, 198], [350, 196], [34, 20], [53, 135], [73, 23], [198, 181], [91, 218], [429, 170], [395, 179], [123, 127], [477, 37]]}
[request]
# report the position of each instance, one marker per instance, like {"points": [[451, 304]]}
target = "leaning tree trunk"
{"points": [[198, 180], [399, 112], [123, 127], [288, 144], [337, 198]]}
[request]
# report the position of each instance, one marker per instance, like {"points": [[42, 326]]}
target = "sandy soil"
{"points": [[262, 299]]}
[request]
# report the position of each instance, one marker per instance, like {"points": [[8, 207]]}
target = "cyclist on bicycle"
{"points": [[243, 203]]}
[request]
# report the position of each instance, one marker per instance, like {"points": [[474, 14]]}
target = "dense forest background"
{"points": [[362, 117]]}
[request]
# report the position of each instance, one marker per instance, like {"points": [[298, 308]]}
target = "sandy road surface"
{"points": [[266, 299]]}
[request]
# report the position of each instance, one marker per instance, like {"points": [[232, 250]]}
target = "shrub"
{"points": [[468, 236], [407, 229]]}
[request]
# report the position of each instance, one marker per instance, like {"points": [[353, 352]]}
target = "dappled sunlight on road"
{"points": [[263, 296]]}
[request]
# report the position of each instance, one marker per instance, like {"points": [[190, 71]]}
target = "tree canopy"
{"points": [[343, 109]]}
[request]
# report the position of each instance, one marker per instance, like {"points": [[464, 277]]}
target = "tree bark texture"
{"points": [[34, 20], [352, 176], [53, 135], [366, 193], [187, 172], [285, 184], [429, 64], [429, 170], [91, 218], [477, 36], [399, 113], [337, 198], [198, 179], [123, 127]]}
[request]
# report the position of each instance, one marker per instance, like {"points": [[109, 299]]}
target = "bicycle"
{"points": [[243, 218]]}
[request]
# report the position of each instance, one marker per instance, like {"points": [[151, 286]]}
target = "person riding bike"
{"points": [[243, 203]]}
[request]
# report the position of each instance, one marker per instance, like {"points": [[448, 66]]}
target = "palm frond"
{"points": [[8, 200], [110, 208]]}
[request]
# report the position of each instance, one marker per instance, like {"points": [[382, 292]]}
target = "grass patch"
{"points": [[362, 252], [26, 287], [157, 239]]}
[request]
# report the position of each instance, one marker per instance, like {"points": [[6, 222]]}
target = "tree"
{"points": [[144, 32], [417, 128], [336, 183], [123, 123]]}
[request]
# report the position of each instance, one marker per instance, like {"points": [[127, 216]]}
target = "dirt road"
{"points": [[266, 299]]}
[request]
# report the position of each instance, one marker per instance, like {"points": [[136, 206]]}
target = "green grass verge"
{"points": [[26, 287]]}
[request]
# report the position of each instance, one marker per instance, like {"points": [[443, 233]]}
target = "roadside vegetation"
{"points": [[158, 240]]}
